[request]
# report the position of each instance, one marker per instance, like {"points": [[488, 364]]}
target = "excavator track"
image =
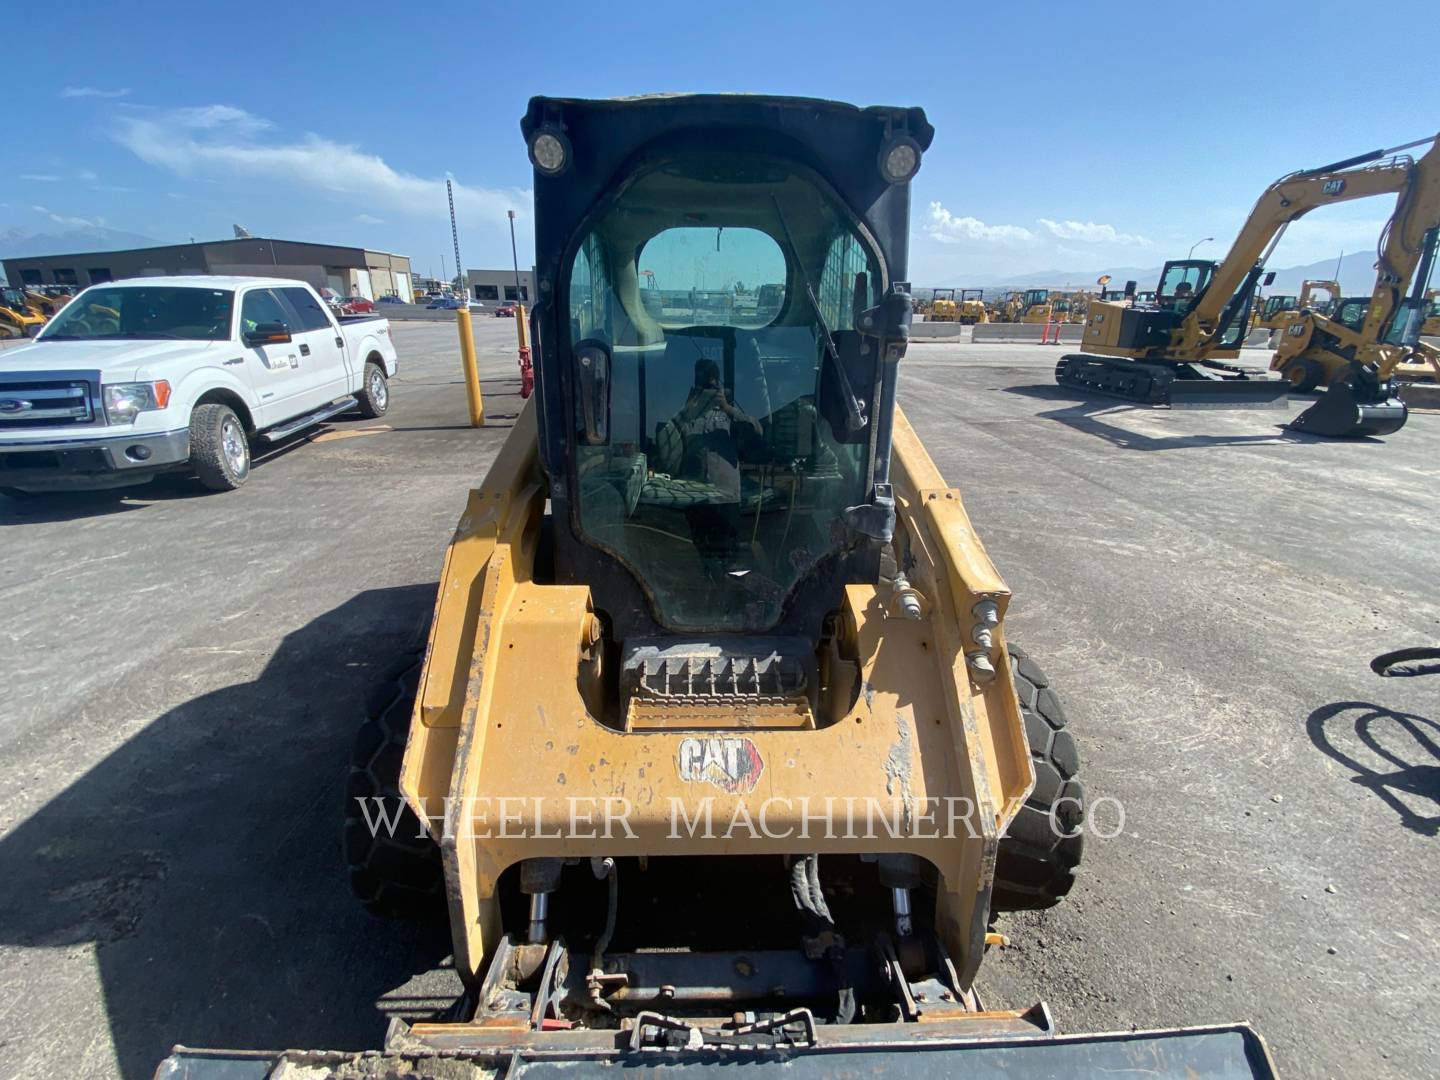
{"points": [[1158, 384]]}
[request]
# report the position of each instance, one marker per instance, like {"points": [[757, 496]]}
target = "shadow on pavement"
{"points": [[203, 859], [1086, 415], [1396, 755]]}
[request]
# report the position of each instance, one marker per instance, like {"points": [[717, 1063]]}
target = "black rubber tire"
{"points": [[208, 458], [1037, 862], [1303, 374], [399, 875], [373, 401]]}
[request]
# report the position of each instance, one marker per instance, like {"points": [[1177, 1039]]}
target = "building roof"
{"points": [[206, 243]]}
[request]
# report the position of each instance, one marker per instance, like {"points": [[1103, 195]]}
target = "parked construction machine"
{"points": [[1276, 311], [17, 317], [1382, 330], [1309, 301], [1174, 352], [1025, 306], [722, 751], [972, 307], [943, 307]]}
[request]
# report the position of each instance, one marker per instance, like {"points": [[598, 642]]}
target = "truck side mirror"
{"points": [[592, 377], [1130, 290], [267, 333], [1268, 279]]}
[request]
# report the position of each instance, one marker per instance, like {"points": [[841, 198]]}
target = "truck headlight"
{"points": [[125, 401]]}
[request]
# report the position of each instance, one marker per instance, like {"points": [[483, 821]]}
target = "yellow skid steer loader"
{"points": [[719, 757]]}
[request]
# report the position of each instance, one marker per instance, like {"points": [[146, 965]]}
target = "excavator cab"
{"points": [[1182, 281]]}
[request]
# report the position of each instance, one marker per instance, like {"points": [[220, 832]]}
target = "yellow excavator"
{"points": [[17, 317], [718, 683], [1174, 352]]}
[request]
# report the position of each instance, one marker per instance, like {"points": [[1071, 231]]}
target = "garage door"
{"points": [[402, 286], [362, 284]]}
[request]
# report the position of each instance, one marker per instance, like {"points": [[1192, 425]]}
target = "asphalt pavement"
{"points": [[183, 673]]}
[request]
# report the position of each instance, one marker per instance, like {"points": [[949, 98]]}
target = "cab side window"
{"points": [[311, 312], [262, 306]]}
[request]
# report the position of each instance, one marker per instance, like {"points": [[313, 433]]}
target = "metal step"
{"points": [[310, 419]]}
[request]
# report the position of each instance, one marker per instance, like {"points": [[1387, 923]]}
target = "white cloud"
{"points": [[228, 141], [41, 178], [1089, 232], [88, 175], [368, 219], [93, 92], [74, 222], [949, 229]]}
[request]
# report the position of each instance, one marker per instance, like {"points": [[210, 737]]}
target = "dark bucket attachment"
{"points": [[1345, 412]]}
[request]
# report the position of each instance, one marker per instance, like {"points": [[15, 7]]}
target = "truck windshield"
{"points": [[723, 472], [143, 311]]}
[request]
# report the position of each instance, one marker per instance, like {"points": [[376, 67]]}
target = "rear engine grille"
{"points": [[45, 404]]}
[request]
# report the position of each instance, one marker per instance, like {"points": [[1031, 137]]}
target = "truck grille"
{"points": [[45, 403]]}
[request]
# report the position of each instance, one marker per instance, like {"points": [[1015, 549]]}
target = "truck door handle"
{"points": [[304, 350], [339, 342]]}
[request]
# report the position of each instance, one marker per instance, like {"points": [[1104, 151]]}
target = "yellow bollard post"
{"points": [[522, 338], [472, 371]]}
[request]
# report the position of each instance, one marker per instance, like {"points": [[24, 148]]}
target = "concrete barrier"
{"points": [[1420, 395], [934, 331], [1070, 333]]}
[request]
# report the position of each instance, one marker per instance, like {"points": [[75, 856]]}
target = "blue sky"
{"points": [[1067, 136]]}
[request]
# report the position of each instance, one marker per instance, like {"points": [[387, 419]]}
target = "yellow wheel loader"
{"points": [[1174, 351], [719, 756]]}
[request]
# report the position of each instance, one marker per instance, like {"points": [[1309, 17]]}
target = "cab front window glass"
{"points": [[724, 466]]}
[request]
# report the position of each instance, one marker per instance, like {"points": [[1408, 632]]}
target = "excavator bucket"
{"points": [[1352, 408]]}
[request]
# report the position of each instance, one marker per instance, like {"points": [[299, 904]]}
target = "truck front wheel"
{"points": [[219, 448], [374, 395]]}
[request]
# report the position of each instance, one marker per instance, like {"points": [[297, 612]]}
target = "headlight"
{"points": [[125, 401]]}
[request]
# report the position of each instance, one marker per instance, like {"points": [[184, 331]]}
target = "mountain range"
{"points": [[1356, 277], [16, 243]]}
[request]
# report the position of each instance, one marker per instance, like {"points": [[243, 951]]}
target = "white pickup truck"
{"points": [[137, 377]]}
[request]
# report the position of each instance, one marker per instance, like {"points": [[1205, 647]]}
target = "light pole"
{"points": [[1196, 244], [514, 258]]}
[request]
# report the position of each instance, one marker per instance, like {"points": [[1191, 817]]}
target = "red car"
{"points": [[357, 305], [505, 311]]}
